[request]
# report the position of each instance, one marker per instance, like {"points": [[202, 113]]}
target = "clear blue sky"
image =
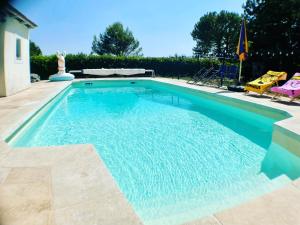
{"points": [[163, 27]]}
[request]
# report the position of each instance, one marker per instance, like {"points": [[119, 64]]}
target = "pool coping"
{"points": [[286, 127]]}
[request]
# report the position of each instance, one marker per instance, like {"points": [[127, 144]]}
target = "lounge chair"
{"points": [[233, 72], [202, 74], [263, 83], [291, 88], [196, 75], [212, 75]]}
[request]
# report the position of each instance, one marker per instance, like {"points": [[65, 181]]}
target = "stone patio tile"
{"points": [[25, 218], [280, 207], [3, 146], [28, 204], [29, 175], [96, 212], [86, 178], [25, 196], [84, 183], [78, 176], [4, 150], [51, 220], [3, 154], [44, 156], [210, 220], [3, 174]]}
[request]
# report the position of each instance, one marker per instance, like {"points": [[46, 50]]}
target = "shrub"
{"points": [[163, 66]]}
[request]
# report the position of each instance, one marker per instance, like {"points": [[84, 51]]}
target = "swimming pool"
{"points": [[177, 154]]}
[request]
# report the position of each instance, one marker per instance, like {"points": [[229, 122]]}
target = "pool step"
{"points": [[171, 211], [281, 181]]}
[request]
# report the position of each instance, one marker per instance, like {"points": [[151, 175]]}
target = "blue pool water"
{"points": [[176, 154]]}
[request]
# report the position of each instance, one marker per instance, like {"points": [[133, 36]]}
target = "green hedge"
{"points": [[171, 66]]}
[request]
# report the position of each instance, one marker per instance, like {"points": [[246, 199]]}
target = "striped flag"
{"points": [[242, 48]]}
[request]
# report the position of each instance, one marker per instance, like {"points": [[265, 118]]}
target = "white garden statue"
{"points": [[61, 74], [61, 62]]}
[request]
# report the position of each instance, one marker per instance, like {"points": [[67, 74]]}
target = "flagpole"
{"points": [[240, 73]]}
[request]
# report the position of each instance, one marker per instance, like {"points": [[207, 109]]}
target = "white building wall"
{"points": [[2, 80], [16, 71]]}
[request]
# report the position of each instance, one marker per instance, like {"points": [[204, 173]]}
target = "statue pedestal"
{"points": [[61, 77]]}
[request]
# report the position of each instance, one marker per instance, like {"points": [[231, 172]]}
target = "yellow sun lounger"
{"points": [[263, 83]]}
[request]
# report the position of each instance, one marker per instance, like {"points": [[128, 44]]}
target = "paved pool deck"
{"points": [[71, 185]]}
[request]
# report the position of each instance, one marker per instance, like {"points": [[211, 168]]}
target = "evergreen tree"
{"points": [[274, 32], [116, 41], [216, 33], [34, 49]]}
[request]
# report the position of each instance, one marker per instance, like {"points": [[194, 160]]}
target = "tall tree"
{"points": [[203, 34], [116, 41], [3, 5], [216, 33], [274, 28], [34, 49]]}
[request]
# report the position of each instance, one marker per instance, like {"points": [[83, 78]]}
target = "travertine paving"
{"points": [[71, 185], [25, 195], [211, 220], [60, 185]]}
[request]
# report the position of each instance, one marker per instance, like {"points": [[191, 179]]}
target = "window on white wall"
{"points": [[18, 49]]}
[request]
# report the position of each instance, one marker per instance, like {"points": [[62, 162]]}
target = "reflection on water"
{"points": [[279, 161], [115, 101]]}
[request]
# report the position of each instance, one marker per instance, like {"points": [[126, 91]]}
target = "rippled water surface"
{"points": [[176, 156]]}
